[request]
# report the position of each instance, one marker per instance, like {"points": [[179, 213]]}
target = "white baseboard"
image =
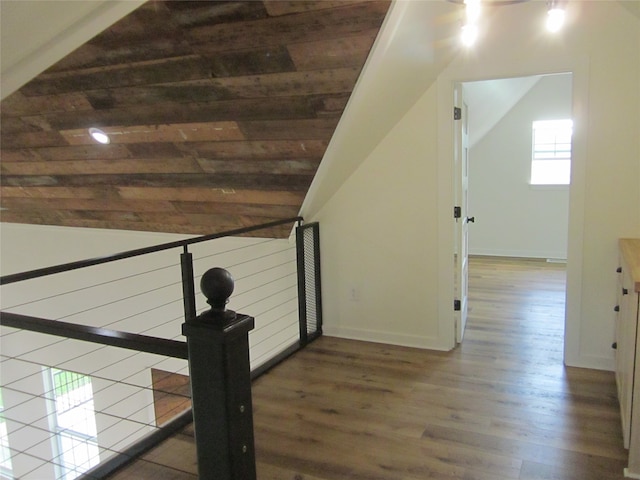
{"points": [[591, 361], [429, 343], [628, 474], [517, 253]]}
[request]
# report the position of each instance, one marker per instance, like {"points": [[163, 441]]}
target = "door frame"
{"points": [[446, 193]]}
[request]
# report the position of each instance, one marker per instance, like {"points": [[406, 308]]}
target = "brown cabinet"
{"points": [[627, 354]]}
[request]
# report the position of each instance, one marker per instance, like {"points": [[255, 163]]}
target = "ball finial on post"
{"points": [[217, 285]]}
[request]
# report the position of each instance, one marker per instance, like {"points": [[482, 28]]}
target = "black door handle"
{"points": [[471, 219]]}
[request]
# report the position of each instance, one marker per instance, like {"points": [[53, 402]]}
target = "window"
{"points": [[551, 159], [74, 423]]}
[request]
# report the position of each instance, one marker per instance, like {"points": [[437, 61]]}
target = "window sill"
{"points": [[549, 186]]}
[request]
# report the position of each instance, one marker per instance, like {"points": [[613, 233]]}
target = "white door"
{"points": [[461, 256]]}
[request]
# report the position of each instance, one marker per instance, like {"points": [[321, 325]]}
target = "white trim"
{"points": [[593, 362], [549, 186], [628, 474], [446, 201], [518, 253], [391, 338], [575, 247]]}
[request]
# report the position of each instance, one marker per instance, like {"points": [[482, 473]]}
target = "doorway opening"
{"points": [[516, 215]]}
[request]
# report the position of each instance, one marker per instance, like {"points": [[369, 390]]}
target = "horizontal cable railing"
{"points": [[61, 431], [65, 267], [136, 300]]}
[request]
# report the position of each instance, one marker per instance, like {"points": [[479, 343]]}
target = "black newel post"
{"points": [[218, 343]]}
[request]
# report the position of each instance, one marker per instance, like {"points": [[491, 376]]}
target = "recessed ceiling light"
{"points": [[99, 136]]}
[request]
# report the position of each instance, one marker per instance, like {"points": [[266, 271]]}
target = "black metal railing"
{"points": [[66, 267], [277, 288], [309, 291]]}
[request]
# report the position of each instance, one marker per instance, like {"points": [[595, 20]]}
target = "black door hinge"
{"points": [[457, 113], [457, 306], [457, 212]]}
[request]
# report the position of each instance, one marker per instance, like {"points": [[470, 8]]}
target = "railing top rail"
{"points": [[65, 267], [99, 335]]}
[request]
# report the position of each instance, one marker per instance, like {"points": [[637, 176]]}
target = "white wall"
{"points": [[600, 47], [388, 229], [514, 218], [379, 249]]}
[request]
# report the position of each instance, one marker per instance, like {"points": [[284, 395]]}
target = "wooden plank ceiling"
{"points": [[218, 113]]}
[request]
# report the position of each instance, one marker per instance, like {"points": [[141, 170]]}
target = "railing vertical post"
{"points": [[302, 286], [317, 278], [188, 288], [218, 344], [309, 279]]}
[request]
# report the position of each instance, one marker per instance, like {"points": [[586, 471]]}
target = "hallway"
{"points": [[499, 407]]}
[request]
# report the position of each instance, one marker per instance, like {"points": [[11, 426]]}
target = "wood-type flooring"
{"points": [[501, 406]]}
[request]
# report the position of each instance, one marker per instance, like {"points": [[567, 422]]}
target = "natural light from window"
{"points": [[551, 158], [74, 422], [5, 453]]}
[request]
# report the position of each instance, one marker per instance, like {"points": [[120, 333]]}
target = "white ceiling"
{"points": [[490, 100]]}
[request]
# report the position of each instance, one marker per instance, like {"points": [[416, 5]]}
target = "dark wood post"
{"points": [[218, 344]]}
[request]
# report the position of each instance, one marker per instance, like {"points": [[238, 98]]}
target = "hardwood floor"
{"points": [[500, 406]]}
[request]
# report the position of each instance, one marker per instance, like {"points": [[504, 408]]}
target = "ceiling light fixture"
{"points": [[555, 17], [470, 28], [473, 9], [469, 35], [99, 136]]}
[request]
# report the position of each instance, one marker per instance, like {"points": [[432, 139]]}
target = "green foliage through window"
{"points": [[65, 382]]}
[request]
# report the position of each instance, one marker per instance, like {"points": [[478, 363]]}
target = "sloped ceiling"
{"points": [[490, 100], [277, 74], [418, 40], [219, 114], [633, 6], [36, 34]]}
